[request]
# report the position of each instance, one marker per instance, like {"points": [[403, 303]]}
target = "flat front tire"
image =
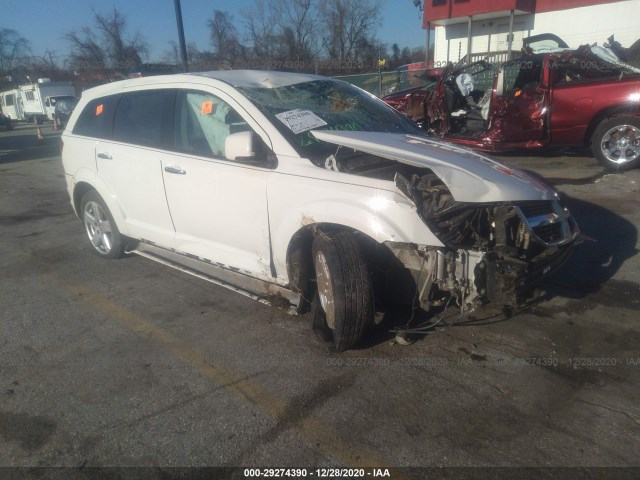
{"points": [[101, 229], [344, 287], [616, 142]]}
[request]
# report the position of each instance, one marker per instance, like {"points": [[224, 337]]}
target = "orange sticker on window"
{"points": [[99, 109], [206, 107]]}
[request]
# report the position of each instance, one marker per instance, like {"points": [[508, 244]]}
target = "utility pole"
{"points": [[183, 46]]}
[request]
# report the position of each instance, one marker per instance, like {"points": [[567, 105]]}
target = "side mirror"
{"points": [[239, 147]]}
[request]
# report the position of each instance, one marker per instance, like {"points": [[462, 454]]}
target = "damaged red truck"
{"points": [[555, 97]]}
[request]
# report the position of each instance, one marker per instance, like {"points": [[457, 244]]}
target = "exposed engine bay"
{"points": [[492, 251]]}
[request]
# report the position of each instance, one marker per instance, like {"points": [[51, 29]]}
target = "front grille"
{"points": [[534, 209], [548, 221], [550, 233]]}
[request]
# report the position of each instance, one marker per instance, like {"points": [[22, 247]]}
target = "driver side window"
{"points": [[203, 122]]}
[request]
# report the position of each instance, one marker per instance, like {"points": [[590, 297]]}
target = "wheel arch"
{"points": [[291, 234], [84, 185], [606, 113], [80, 189], [299, 258]]}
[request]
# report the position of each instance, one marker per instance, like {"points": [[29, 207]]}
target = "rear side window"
{"points": [[9, 100], [97, 118], [145, 118]]}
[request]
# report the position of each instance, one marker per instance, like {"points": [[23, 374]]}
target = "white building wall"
{"points": [[576, 26]]}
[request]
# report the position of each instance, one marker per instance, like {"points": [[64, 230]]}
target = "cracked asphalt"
{"points": [[129, 363]]}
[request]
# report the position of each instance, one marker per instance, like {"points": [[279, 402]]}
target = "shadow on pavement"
{"points": [[609, 241]]}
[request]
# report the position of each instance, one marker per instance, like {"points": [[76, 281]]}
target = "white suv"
{"points": [[281, 185]]}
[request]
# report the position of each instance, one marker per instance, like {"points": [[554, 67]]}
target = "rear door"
{"points": [[130, 163]]}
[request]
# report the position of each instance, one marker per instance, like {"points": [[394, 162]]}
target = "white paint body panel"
{"points": [[219, 210], [245, 216], [470, 176], [133, 179]]}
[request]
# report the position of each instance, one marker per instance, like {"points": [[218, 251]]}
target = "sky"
{"points": [[44, 22]]}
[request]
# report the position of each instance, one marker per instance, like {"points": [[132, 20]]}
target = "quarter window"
{"points": [[9, 100], [97, 118]]}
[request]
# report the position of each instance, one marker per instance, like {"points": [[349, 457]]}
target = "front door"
{"points": [[219, 207], [521, 105]]}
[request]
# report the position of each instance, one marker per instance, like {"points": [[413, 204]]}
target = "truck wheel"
{"points": [[38, 120], [616, 142], [100, 226], [344, 287]]}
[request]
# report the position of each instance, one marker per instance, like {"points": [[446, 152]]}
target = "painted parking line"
{"points": [[313, 431]]}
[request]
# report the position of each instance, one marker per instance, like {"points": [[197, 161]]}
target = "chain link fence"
{"points": [[384, 83]]}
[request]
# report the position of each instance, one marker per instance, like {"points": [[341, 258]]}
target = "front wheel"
{"points": [[100, 226], [344, 287], [616, 142]]}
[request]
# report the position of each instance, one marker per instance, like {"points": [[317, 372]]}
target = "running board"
{"points": [[260, 290]]}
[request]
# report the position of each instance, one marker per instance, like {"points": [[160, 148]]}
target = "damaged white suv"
{"points": [[278, 185]]}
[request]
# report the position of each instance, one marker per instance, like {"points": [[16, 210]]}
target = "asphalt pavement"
{"points": [[129, 363]]}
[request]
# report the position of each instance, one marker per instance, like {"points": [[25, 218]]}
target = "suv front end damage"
{"points": [[492, 251], [501, 230]]}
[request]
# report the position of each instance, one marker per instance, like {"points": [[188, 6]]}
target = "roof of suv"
{"points": [[259, 78], [235, 78]]}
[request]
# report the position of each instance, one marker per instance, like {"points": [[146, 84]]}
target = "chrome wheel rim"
{"points": [[98, 227], [621, 144], [325, 289]]}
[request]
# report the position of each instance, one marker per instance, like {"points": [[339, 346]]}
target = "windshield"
{"points": [[328, 104]]}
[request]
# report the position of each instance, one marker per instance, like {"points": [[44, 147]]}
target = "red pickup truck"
{"points": [[554, 97]]}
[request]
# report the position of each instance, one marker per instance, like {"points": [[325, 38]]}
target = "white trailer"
{"points": [[38, 99], [11, 104]]}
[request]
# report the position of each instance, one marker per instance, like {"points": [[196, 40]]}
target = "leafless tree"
{"points": [[260, 29], [123, 53], [14, 49], [86, 52], [172, 54], [224, 36], [349, 25], [111, 48], [298, 22], [283, 29]]}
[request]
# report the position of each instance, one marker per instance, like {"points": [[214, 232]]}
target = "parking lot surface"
{"points": [[129, 363]]}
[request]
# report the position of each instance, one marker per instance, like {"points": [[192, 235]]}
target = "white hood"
{"points": [[470, 176]]}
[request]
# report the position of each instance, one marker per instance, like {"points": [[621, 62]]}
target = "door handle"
{"points": [[105, 156], [176, 170]]}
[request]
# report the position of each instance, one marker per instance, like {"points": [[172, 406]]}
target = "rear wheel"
{"points": [[616, 142], [344, 287], [100, 226]]}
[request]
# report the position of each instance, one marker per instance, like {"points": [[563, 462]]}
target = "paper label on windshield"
{"points": [[300, 120]]}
